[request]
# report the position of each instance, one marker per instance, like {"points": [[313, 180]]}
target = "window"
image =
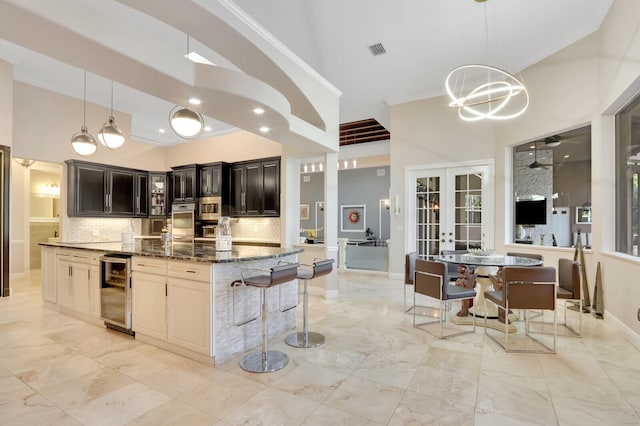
{"points": [[627, 171], [552, 187]]}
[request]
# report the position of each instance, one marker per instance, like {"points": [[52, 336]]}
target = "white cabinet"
{"points": [[189, 314], [48, 277], [172, 302], [149, 304], [78, 281]]}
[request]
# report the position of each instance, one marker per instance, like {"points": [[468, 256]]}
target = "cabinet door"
{"points": [[178, 186], [121, 193], [48, 274], [81, 288], [216, 181], [253, 189], [142, 196], [237, 191], [158, 191], [189, 315], [149, 304], [271, 188], [190, 184], [206, 188], [89, 190], [64, 284]]}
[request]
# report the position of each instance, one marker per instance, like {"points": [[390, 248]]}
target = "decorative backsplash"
{"points": [[91, 229], [263, 228]]}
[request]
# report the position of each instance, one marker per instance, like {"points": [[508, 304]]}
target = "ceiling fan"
{"points": [[536, 164]]}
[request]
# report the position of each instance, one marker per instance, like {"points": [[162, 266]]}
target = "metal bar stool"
{"points": [[304, 338], [264, 361]]}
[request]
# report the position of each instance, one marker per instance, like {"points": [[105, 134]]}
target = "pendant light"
{"points": [[82, 142], [110, 135], [186, 123]]}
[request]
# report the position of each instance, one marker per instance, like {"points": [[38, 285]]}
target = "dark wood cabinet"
{"points": [[185, 183], [96, 190], [142, 194], [255, 187], [211, 180]]}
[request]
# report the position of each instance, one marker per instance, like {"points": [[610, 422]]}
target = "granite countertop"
{"points": [[198, 251]]}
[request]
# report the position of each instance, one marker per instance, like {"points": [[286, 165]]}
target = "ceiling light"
{"points": [[160, 130], [195, 101], [258, 111], [264, 129], [567, 156], [354, 163], [552, 141], [110, 135], [198, 59], [82, 142], [24, 163], [483, 91], [207, 128], [186, 123]]}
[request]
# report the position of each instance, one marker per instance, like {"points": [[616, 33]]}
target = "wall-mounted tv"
{"points": [[531, 212]]}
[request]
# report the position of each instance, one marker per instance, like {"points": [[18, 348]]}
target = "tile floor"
{"points": [[374, 369]]}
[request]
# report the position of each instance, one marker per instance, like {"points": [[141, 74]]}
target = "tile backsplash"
{"points": [[262, 228], [91, 229]]}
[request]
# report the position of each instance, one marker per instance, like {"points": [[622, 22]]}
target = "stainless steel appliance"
{"points": [[115, 291], [209, 231], [183, 221], [152, 225], [209, 208]]}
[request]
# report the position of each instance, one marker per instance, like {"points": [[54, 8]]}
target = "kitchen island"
{"points": [[182, 300]]}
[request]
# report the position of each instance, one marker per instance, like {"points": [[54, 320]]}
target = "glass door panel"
{"points": [[428, 216]]}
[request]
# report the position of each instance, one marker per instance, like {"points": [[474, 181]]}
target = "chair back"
{"points": [[529, 287], [283, 273], [527, 255], [452, 268], [410, 267], [431, 278], [322, 267], [569, 276]]}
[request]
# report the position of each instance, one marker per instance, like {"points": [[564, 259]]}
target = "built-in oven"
{"points": [[209, 208], [183, 221], [115, 291]]}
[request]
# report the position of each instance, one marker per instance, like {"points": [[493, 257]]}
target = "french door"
{"points": [[450, 208]]}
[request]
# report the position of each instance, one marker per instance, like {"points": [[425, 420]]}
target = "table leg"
{"points": [[484, 283]]}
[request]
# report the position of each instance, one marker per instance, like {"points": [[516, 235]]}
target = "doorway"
{"points": [[450, 208]]}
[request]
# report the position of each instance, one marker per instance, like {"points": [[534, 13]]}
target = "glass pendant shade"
{"points": [[83, 143], [186, 123], [110, 135]]}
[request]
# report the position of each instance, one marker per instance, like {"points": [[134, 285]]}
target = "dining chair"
{"points": [[525, 288], [452, 268], [409, 274], [496, 279], [432, 280], [569, 291]]}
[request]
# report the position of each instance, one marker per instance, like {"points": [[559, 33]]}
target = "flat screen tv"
{"points": [[531, 212]]}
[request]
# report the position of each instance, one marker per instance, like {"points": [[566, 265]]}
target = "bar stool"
{"points": [[304, 338], [264, 361]]}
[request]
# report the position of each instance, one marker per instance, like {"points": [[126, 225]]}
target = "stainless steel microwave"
{"points": [[152, 225], [209, 208]]}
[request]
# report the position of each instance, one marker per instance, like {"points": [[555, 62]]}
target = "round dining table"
{"points": [[485, 265]]}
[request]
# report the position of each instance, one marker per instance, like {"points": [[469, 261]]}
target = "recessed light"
{"points": [[258, 111], [264, 129], [207, 128], [195, 101], [160, 130], [567, 156]]}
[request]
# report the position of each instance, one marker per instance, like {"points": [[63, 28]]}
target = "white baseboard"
{"points": [[628, 333]]}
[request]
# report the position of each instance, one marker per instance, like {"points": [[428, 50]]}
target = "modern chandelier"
{"points": [[480, 91], [110, 135], [82, 142]]}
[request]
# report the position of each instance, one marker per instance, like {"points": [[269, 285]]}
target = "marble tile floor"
{"points": [[375, 369]]}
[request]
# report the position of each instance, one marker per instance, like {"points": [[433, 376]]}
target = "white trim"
{"points": [[628, 333]]}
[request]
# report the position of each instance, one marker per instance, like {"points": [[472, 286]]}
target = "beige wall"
{"points": [[584, 83]]}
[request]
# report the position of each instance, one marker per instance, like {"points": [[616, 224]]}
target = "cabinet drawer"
{"points": [[77, 256], [190, 270], [150, 265]]}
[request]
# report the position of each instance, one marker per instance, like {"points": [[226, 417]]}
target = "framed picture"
{"points": [[353, 218], [583, 215], [304, 211]]}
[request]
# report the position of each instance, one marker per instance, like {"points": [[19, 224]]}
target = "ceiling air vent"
{"points": [[377, 49]]}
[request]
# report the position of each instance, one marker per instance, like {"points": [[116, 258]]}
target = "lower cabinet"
{"points": [[172, 302], [49, 276], [77, 281]]}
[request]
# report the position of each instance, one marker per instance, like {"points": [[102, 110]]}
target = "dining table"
{"points": [[484, 265]]}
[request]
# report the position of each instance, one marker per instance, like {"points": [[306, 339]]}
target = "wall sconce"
{"points": [[396, 205], [386, 204]]}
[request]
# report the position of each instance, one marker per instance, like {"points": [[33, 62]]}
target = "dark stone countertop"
{"points": [[198, 251]]}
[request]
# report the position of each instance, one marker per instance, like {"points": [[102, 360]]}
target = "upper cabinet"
{"points": [[211, 179], [96, 190], [185, 183], [255, 188], [158, 192]]}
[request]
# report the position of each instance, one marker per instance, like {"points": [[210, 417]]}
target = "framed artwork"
{"points": [[304, 211], [353, 218]]}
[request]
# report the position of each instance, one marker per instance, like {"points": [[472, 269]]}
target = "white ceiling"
{"points": [[424, 40]]}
